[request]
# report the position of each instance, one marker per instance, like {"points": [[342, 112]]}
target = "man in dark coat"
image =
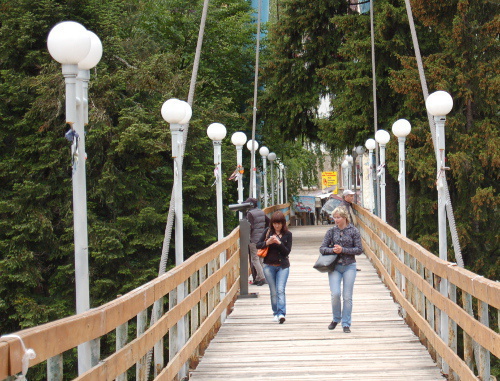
{"points": [[258, 223]]}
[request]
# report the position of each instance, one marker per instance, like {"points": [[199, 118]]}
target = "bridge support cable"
{"points": [[375, 109], [157, 307], [425, 91], [253, 169]]}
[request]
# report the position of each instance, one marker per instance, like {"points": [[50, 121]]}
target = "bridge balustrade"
{"points": [[201, 310], [413, 275]]}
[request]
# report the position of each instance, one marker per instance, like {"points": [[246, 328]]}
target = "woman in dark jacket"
{"points": [[276, 264], [343, 239]]}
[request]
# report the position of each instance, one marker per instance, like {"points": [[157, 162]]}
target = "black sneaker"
{"points": [[332, 325], [347, 329]]}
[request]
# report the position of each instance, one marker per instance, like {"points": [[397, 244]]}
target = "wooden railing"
{"points": [[413, 275], [201, 311]]}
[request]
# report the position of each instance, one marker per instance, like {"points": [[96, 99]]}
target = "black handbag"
{"points": [[326, 263]]}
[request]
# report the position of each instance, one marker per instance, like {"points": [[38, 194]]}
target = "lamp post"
{"points": [[252, 146], [349, 167], [217, 132], [360, 150], [401, 128], [272, 157], [345, 174], [354, 173], [70, 44], [176, 113], [264, 152], [239, 139], [382, 137], [370, 145], [439, 104], [280, 183]]}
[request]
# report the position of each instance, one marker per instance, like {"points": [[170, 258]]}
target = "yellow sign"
{"points": [[328, 179]]}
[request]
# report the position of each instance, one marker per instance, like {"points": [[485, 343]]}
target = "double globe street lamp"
{"points": [[77, 50]]}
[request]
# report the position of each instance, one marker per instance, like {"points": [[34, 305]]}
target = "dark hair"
{"points": [[279, 217]]}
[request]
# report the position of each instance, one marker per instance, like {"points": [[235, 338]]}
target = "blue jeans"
{"points": [[276, 277], [347, 274]]}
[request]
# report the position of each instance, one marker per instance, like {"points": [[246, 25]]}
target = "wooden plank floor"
{"points": [[251, 346]]}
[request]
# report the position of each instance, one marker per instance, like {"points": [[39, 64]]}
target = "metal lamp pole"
{"points": [[264, 152], [177, 113], [345, 174], [349, 172], [217, 132], [401, 128], [370, 145], [70, 44], [360, 150], [281, 183], [382, 137], [439, 104], [272, 157], [239, 139], [252, 146]]}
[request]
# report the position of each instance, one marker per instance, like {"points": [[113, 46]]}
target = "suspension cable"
{"points": [[425, 91]]}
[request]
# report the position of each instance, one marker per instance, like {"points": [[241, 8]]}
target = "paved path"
{"points": [[250, 346]]}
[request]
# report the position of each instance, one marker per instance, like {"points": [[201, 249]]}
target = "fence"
{"points": [[200, 312], [413, 275]]}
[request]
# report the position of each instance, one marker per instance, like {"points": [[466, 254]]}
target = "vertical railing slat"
{"points": [[55, 368], [121, 340], [484, 355], [140, 366]]}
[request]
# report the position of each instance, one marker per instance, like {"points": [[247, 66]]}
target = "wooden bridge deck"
{"points": [[251, 346]]}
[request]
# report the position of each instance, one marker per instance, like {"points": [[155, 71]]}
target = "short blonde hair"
{"points": [[342, 212]]}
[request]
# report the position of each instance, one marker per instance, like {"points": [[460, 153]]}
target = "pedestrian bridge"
{"points": [[396, 330]]}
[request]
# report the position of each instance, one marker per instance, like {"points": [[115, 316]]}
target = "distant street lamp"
{"points": [[272, 157], [439, 104], [345, 174], [264, 152], [281, 182], [370, 145], [382, 137], [252, 146], [350, 161], [239, 139], [217, 132], [73, 46], [176, 113], [401, 128], [360, 150]]}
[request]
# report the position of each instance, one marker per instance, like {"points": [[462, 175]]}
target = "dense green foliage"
{"points": [[148, 56], [312, 49], [325, 49]]}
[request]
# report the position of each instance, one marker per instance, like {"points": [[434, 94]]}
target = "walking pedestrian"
{"points": [[342, 239], [276, 262]]}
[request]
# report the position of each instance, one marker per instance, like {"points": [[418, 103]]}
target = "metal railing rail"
{"points": [[413, 275]]}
